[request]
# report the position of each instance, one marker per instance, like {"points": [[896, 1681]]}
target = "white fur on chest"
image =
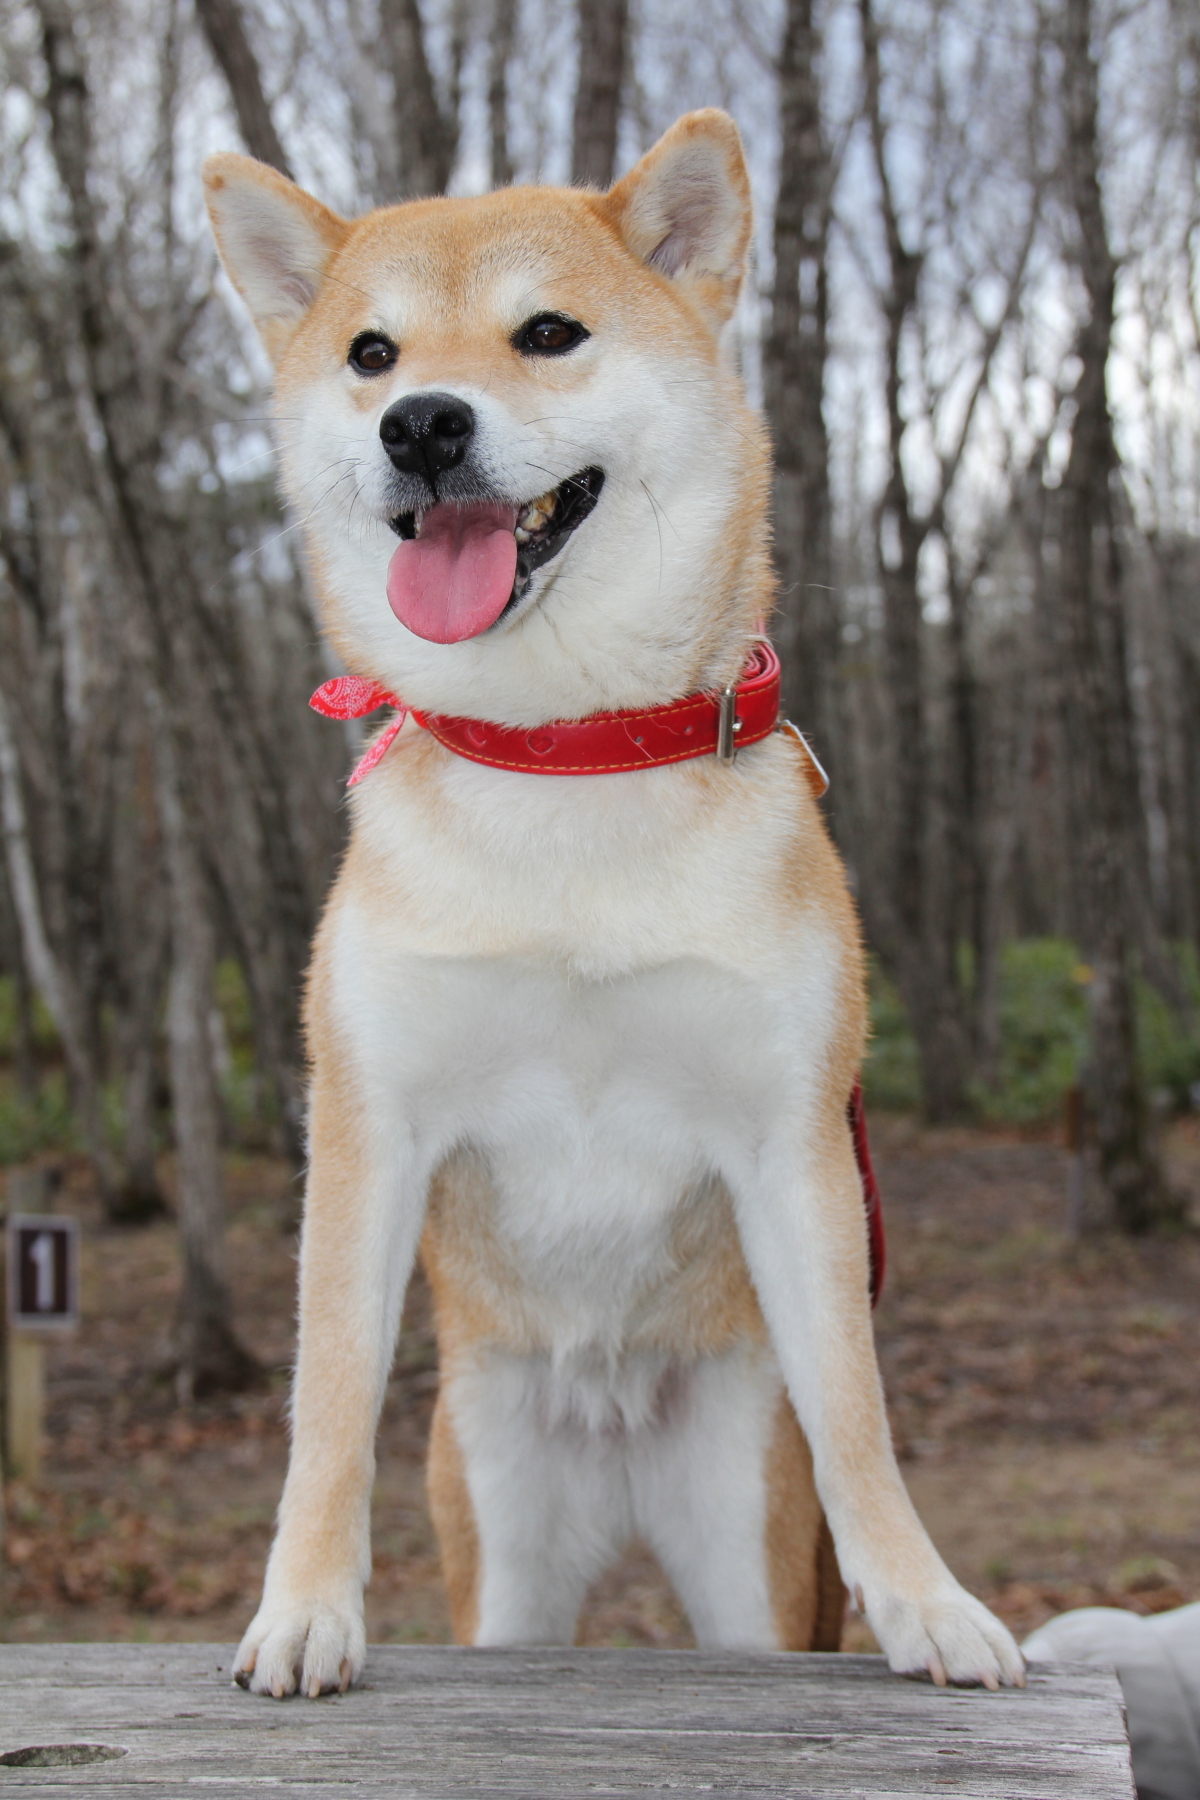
{"points": [[585, 984], [600, 1107]]}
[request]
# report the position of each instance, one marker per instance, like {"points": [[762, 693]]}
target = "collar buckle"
{"points": [[728, 725]]}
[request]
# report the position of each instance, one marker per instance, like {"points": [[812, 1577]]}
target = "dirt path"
{"points": [[1045, 1398]]}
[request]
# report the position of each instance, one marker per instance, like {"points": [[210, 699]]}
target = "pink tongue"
{"points": [[454, 580]]}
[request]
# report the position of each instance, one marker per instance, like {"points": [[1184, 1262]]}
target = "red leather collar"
{"points": [[614, 743], [603, 744]]}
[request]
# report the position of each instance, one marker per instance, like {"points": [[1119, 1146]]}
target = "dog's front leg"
{"points": [[362, 1218], [801, 1220]]}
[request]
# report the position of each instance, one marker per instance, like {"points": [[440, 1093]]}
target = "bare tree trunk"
{"points": [[426, 132], [923, 948], [934, 799], [138, 1196], [504, 27], [12, 957], [806, 621], [225, 29], [603, 26], [139, 921], [51, 859], [1100, 773], [208, 1355], [52, 978], [964, 800]]}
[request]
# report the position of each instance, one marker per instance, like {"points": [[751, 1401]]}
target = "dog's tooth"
{"points": [[534, 516]]}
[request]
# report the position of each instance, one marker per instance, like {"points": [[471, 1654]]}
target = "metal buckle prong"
{"points": [[814, 759], [728, 724]]}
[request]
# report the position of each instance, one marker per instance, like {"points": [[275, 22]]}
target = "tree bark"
{"points": [[426, 133], [504, 27], [923, 949], [225, 30], [1100, 768], [140, 908], [806, 620], [52, 978], [54, 857], [207, 1354], [934, 901], [603, 27], [12, 958]]}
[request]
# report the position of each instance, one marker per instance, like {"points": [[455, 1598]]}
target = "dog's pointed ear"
{"points": [[685, 209], [276, 241]]}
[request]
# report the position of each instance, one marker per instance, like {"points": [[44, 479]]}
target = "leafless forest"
{"points": [[974, 323]]}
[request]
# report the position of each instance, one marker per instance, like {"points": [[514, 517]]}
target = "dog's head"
{"points": [[529, 483]]}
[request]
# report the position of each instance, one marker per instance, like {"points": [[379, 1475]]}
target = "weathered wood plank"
{"points": [[432, 1724]]}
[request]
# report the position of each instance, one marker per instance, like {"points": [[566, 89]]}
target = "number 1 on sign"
{"points": [[41, 1255]]}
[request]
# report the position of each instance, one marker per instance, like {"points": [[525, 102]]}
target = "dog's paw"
{"points": [[947, 1633], [311, 1647]]}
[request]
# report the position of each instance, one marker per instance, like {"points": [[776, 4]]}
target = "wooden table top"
{"points": [[445, 1722]]}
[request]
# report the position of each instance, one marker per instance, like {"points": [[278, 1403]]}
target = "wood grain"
{"points": [[560, 1723]]}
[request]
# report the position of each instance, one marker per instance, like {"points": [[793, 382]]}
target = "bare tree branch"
{"points": [[225, 30]]}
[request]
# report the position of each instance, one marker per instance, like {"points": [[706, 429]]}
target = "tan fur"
{"points": [[807, 1595], [706, 1305], [454, 1522]]}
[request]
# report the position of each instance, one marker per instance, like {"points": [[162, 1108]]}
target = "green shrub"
{"points": [[1043, 1007], [1043, 1030], [233, 999], [45, 1037], [891, 1075], [30, 1126], [1168, 1049], [249, 1099]]}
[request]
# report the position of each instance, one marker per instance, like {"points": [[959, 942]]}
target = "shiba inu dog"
{"points": [[587, 1042]]}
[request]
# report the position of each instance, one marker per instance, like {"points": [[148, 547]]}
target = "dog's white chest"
{"points": [[601, 1109]]}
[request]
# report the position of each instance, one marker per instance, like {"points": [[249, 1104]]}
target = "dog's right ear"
{"points": [[685, 210], [276, 241]]}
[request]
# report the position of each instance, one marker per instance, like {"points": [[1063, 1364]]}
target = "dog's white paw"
{"points": [[948, 1633], [312, 1646]]}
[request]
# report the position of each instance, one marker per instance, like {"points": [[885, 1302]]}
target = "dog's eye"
{"points": [[549, 335], [371, 353]]}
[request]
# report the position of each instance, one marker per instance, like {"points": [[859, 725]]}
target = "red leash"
{"points": [[856, 1114]]}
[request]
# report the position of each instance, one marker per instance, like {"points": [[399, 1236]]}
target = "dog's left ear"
{"points": [[275, 240], [685, 209]]}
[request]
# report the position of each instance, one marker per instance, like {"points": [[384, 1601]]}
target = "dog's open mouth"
{"points": [[459, 568]]}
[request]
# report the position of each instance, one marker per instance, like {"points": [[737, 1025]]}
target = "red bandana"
{"points": [[707, 724]]}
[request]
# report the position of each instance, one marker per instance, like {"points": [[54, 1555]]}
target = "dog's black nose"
{"points": [[427, 433]]}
